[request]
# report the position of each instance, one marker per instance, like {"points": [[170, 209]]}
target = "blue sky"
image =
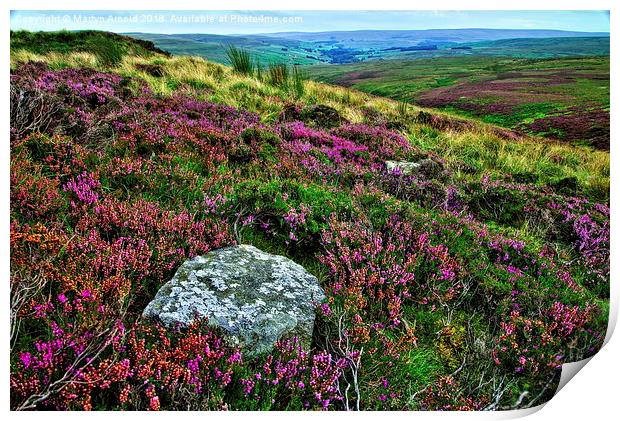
{"points": [[247, 22]]}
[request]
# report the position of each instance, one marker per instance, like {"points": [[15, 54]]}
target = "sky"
{"points": [[252, 22]]}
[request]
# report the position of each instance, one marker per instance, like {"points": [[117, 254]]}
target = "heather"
{"points": [[463, 286]]}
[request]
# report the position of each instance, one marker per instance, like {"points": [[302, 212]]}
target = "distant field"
{"points": [[562, 98]]}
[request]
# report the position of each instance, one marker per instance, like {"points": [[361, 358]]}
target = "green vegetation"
{"points": [[211, 47], [460, 287], [346, 47], [109, 48], [535, 96], [240, 60]]}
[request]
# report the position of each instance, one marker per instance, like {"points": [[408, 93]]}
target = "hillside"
{"points": [[108, 47], [212, 47], [461, 280], [535, 48], [565, 98]]}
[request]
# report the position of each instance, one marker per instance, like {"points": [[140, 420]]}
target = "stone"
{"points": [[425, 168], [405, 168], [252, 297]]}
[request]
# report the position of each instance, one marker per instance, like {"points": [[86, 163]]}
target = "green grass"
{"points": [[108, 47], [211, 47], [240, 60]]}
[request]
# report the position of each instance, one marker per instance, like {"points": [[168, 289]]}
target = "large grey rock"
{"points": [[253, 297]]}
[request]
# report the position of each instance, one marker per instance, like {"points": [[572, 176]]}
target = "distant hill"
{"points": [[414, 37], [308, 48], [545, 47], [212, 47], [534, 48]]}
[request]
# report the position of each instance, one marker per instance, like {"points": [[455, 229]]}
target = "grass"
{"points": [[278, 75], [240, 60], [108, 48]]}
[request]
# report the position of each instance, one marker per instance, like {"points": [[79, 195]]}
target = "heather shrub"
{"points": [[291, 378], [32, 111], [499, 204], [321, 116], [34, 197], [377, 272]]}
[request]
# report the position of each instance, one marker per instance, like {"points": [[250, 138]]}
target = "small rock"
{"points": [[405, 168], [253, 297], [425, 168]]}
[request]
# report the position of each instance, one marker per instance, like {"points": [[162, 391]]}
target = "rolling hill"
{"points": [[345, 47]]}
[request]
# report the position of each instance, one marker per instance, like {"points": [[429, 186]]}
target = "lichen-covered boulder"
{"points": [[253, 297]]}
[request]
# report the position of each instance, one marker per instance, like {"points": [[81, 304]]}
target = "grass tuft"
{"points": [[241, 60]]}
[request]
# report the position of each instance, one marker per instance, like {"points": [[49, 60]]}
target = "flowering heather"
{"points": [[518, 99], [382, 271], [94, 88], [292, 371], [84, 187]]}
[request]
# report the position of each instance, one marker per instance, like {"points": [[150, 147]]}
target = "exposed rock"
{"points": [[405, 168], [426, 168], [253, 297]]}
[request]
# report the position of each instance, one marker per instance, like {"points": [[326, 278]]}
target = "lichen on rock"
{"points": [[253, 297]]}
